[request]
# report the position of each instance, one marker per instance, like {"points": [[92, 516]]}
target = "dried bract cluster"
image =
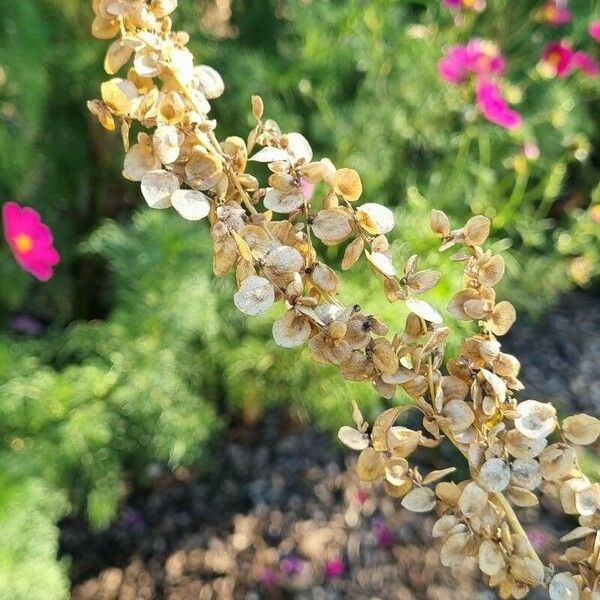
{"points": [[266, 235]]}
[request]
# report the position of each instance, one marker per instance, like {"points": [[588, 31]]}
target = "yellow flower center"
{"points": [[24, 243]]}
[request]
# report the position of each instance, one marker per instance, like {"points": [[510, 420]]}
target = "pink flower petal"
{"points": [[594, 30], [30, 240]]}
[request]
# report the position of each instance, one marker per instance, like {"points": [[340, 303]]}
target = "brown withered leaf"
{"points": [[456, 307]]}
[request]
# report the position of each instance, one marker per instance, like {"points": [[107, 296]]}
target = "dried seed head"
{"points": [[332, 226], [419, 500], [347, 184], [477, 230], [255, 296], [535, 419], [581, 429]]}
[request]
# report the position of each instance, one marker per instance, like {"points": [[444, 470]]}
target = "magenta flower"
{"points": [[453, 67], [586, 64], [556, 13], [478, 57], [335, 568], [558, 57], [594, 30], [494, 107], [30, 240], [484, 58]]}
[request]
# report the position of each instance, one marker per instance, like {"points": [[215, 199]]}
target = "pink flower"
{"points": [[556, 13], [478, 57], [484, 58], [335, 568], [531, 150], [494, 107], [594, 30], [453, 67], [586, 64], [30, 240], [558, 56]]}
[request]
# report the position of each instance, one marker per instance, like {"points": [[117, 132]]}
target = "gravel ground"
{"points": [[282, 515]]}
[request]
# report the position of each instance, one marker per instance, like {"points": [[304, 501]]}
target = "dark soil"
{"points": [[282, 516]]}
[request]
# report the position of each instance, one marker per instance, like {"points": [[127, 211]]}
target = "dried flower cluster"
{"points": [[181, 164]]}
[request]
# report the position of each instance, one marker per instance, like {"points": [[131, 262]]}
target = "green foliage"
{"points": [[28, 545]]}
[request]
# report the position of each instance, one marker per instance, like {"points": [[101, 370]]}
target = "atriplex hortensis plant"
{"points": [[181, 163]]}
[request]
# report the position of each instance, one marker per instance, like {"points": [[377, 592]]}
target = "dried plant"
{"points": [[514, 449]]}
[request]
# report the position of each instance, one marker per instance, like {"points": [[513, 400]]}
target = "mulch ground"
{"points": [[282, 516]]}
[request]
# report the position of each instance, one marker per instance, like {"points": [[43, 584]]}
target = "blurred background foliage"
{"points": [[133, 355]]}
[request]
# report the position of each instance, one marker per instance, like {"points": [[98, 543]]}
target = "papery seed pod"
{"points": [[557, 461], [473, 500], [352, 438], [491, 558], [535, 419], [190, 204], [581, 429], [347, 184], [352, 253], [370, 466], [419, 500], [494, 475], [332, 226], [440, 225], [255, 296], [477, 230], [158, 187]]}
